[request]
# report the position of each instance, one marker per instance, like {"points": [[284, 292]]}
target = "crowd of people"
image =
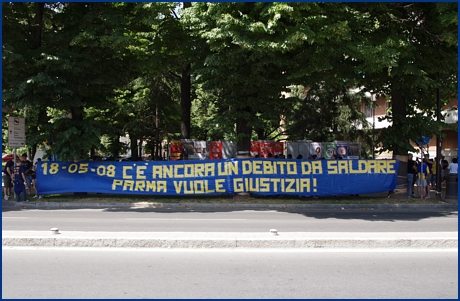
{"points": [[423, 173], [20, 179]]}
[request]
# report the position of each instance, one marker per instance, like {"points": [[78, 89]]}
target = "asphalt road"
{"points": [[101, 273], [161, 220]]}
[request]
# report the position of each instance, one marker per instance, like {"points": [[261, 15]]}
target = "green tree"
{"points": [[328, 114], [407, 52]]}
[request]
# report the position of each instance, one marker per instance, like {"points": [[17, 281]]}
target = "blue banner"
{"points": [[220, 177]]}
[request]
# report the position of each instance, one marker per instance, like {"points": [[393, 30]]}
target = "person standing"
{"points": [[411, 172], [434, 173], [7, 179], [19, 181], [453, 167], [429, 163], [34, 180], [444, 171], [28, 166], [422, 170]]}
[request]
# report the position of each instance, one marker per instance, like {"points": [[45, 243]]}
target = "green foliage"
{"points": [[327, 114], [101, 70]]}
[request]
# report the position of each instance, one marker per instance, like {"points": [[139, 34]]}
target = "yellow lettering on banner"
{"points": [[275, 184], [178, 186], [343, 166], [128, 185], [304, 185], [238, 185], [176, 171], [256, 167], [371, 166], [167, 171], [189, 189], [246, 167], [290, 182], [221, 169], [264, 186], [199, 170], [306, 168], [209, 190], [382, 166], [162, 185], [83, 168], [332, 167], [313, 167], [227, 168], [391, 167], [282, 165], [140, 172], [125, 170], [131, 185], [317, 167], [219, 185], [210, 169], [233, 168], [157, 171], [198, 186], [268, 167], [189, 171], [362, 166], [253, 186], [116, 183], [292, 168], [151, 186], [353, 171], [140, 186]]}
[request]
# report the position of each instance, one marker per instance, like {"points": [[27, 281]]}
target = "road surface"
{"points": [[127, 273], [161, 220]]}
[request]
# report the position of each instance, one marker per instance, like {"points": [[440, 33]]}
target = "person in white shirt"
{"points": [[453, 167]]}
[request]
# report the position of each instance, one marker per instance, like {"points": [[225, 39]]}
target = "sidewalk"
{"points": [[437, 203], [230, 240], [227, 206], [233, 240]]}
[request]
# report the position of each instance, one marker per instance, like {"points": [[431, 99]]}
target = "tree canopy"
{"points": [[223, 70]]}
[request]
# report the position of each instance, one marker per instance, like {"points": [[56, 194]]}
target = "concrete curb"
{"points": [[200, 240], [220, 206]]}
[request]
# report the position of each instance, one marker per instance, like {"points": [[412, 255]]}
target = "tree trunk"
{"points": [[134, 147], [185, 103], [260, 134], [243, 132], [399, 112], [38, 25]]}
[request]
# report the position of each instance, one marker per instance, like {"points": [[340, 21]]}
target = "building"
{"points": [[449, 144]]}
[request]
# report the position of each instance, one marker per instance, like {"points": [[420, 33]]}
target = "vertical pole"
{"points": [[15, 156], [438, 148], [373, 125]]}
